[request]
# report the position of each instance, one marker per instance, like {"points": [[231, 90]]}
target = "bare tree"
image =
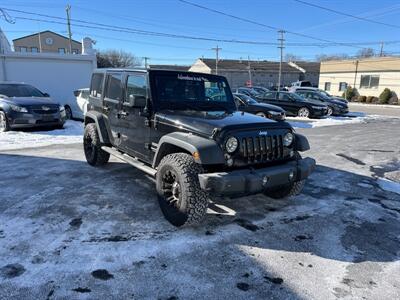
{"points": [[326, 57], [366, 52], [116, 59], [292, 57]]}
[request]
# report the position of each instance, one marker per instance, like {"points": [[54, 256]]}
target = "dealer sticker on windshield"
{"points": [[192, 78]]}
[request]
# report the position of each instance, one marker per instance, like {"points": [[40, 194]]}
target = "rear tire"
{"points": [[4, 126], [95, 156], [181, 199]]}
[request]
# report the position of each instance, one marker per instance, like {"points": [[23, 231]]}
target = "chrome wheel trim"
{"points": [[303, 112]]}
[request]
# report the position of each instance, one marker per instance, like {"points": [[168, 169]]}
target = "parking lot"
{"points": [[71, 231]]}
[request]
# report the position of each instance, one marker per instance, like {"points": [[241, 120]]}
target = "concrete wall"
{"points": [[58, 75], [387, 68]]}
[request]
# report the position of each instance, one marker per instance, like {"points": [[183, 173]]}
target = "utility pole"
{"points": [[281, 40], [355, 74], [145, 61], [248, 62], [381, 49], [68, 9], [40, 42], [217, 49]]}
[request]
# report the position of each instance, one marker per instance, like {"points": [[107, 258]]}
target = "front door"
{"points": [[112, 105], [135, 126], [287, 103]]}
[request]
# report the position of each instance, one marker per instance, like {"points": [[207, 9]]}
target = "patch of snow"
{"points": [[351, 118], [389, 185], [12, 140]]}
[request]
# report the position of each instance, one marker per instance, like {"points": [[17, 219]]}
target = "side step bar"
{"points": [[130, 160]]}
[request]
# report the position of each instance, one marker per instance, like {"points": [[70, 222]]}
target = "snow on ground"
{"points": [[72, 133], [351, 118], [389, 185]]}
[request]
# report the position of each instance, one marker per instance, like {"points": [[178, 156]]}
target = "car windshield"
{"points": [[19, 90], [186, 91], [247, 99]]}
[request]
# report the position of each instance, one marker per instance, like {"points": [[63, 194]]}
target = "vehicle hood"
{"points": [[265, 106], [209, 123], [27, 101]]}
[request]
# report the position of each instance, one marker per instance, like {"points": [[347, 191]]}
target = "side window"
{"points": [[270, 95], [96, 85], [283, 97], [136, 85], [113, 90]]}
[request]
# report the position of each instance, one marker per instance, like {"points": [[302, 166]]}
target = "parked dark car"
{"points": [[260, 89], [197, 146], [247, 104], [22, 106], [335, 107], [294, 105], [293, 89], [247, 91]]}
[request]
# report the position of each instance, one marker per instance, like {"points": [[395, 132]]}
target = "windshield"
{"points": [[180, 91], [247, 99], [19, 90]]}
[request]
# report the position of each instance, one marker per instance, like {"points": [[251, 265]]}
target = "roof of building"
{"points": [[259, 65], [45, 31], [170, 67], [371, 64]]}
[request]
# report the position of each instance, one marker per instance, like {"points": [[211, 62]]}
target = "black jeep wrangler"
{"points": [[184, 129]]}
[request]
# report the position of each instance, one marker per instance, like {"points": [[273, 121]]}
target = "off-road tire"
{"points": [[288, 190], [95, 156], [3, 118], [192, 205]]}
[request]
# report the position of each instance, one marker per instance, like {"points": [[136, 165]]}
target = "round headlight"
{"points": [[231, 144], [288, 139]]}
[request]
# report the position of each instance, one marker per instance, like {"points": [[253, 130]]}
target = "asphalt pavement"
{"points": [[71, 231]]}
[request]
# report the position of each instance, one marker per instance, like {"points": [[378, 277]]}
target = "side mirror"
{"points": [[46, 95], [76, 93], [136, 101]]}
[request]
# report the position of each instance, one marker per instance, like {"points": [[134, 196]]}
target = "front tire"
{"points": [[181, 199], [4, 126], [303, 112], [95, 156]]}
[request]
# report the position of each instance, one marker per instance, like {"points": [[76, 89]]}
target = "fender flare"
{"points": [[301, 143], [209, 152], [100, 121]]}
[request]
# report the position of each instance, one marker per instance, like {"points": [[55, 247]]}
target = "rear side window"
{"points": [[113, 90], [96, 85], [270, 95], [283, 97]]}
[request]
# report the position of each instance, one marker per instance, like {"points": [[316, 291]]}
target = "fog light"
{"points": [[291, 175], [265, 180]]}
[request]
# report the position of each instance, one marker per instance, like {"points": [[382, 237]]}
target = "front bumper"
{"points": [[341, 111], [30, 119], [246, 182]]}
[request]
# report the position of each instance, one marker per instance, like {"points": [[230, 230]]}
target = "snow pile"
{"points": [[72, 133], [354, 118], [389, 185]]}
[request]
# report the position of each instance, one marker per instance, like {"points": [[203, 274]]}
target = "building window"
{"points": [[327, 86], [74, 51], [61, 50], [342, 86], [34, 49], [369, 81], [23, 49]]}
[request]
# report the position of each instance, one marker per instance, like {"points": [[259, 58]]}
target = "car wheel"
{"points": [[181, 199], [95, 156], [287, 190], [261, 114], [329, 111], [3, 122], [68, 113], [303, 112]]}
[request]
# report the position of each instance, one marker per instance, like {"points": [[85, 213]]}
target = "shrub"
{"points": [[362, 98], [369, 99], [375, 100], [349, 93], [385, 96]]}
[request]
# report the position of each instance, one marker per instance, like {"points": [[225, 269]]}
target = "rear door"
{"points": [[134, 123], [112, 105]]}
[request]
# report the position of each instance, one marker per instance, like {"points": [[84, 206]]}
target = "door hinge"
{"points": [[147, 122]]}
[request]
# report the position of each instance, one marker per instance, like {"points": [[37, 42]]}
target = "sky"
{"points": [[177, 18]]}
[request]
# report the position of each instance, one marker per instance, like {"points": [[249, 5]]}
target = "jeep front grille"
{"points": [[262, 148]]}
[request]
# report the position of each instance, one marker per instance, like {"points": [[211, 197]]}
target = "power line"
{"points": [[264, 25], [346, 14]]}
